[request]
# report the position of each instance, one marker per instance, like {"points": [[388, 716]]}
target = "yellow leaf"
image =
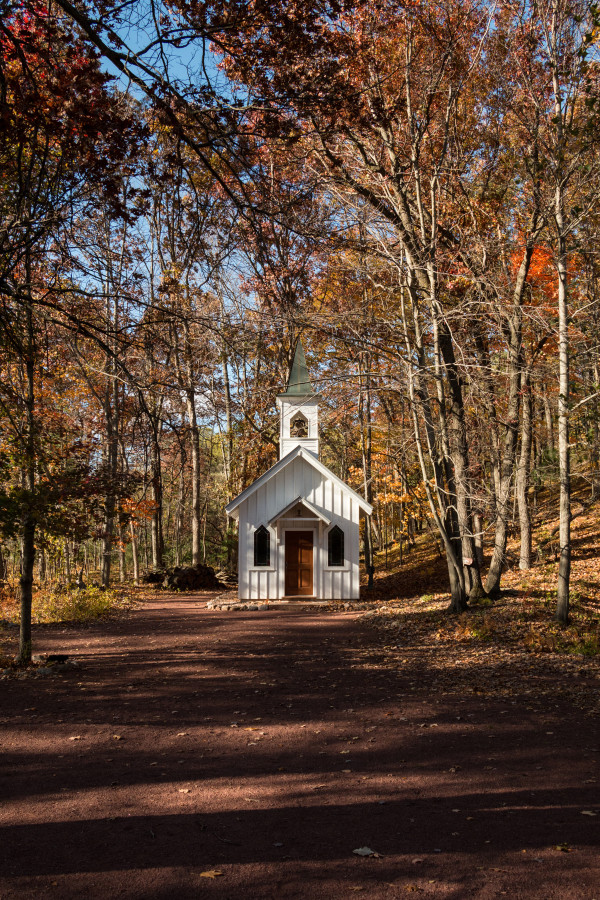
{"points": [[211, 873]]}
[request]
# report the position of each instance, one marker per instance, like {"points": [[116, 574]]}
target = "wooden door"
{"points": [[299, 563]]}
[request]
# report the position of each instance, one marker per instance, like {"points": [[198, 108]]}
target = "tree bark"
{"points": [[156, 529], [564, 566], [511, 427], [111, 460], [28, 517], [364, 407], [523, 472], [195, 454], [134, 553]]}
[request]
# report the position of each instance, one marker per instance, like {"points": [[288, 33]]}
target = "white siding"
{"points": [[299, 479]]}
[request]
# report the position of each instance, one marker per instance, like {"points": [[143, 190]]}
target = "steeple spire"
{"points": [[299, 381]]}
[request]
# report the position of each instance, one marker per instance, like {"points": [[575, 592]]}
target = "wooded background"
{"points": [[189, 188]]}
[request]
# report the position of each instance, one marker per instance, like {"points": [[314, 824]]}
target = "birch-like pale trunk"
{"points": [[134, 553], [563, 108], [564, 463], [523, 472]]}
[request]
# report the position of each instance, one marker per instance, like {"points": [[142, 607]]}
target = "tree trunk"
{"points": [[179, 509], [523, 469], [478, 537], [28, 518], [511, 428], [121, 555], [196, 506], [419, 400], [367, 443], [134, 553], [67, 561], [111, 413], [564, 566], [156, 531]]}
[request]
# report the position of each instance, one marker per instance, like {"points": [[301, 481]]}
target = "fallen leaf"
{"points": [[588, 812], [184, 790], [210, 873], [366, 851]]}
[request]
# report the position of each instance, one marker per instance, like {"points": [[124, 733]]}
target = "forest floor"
{"points": [[194, 753]]}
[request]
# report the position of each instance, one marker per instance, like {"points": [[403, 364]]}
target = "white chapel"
{"points": [[298, 522]]}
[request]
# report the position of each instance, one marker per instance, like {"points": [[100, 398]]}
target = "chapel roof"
{"points": [[314, 462]]}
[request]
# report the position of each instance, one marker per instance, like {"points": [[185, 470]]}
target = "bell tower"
{"points": [[298, 410]]}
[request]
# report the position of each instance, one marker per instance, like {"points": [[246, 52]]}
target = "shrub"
{"points": [[77, 605]]}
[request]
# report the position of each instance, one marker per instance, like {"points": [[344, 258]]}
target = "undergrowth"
{"points": [[522, 618], [66, 604]]}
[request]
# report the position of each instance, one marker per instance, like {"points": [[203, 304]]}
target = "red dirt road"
{"points": [[268, 746]]}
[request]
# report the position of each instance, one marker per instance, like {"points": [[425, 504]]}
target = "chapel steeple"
{"points": [[299, 410]]}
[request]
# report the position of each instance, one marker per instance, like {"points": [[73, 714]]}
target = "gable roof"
{"points": [[312, 460], [300, 500]]}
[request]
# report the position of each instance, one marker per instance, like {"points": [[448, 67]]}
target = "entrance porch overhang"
{"points": [[314, 513]]}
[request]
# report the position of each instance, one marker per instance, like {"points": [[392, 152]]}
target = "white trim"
{"points": [[312, 460], [303, 502], [272, 547], [346, 565]]}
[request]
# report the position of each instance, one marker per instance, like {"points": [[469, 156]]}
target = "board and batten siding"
{"points": [[333, 500]]}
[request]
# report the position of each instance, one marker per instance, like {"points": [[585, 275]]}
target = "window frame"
{"points": [[344, 563], [262, 530]]}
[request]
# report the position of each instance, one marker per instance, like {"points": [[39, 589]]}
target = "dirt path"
{"points": [[268, 746]]}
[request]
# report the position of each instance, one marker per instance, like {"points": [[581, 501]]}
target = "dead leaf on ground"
{"points": [[588, 812], [210, 873], [366, 851], [76, 737]]}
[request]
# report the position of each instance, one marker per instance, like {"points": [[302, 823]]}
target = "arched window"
{"points": [[262, 547], [299, 426], [335, 547]]}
